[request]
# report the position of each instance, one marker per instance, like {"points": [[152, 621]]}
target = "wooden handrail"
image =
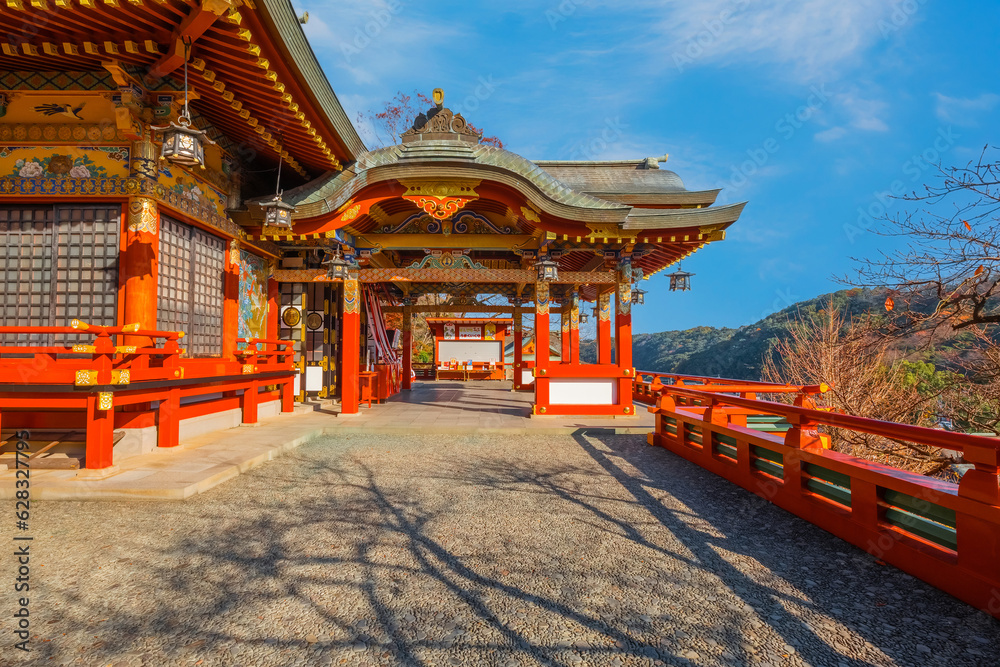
{"points": [[804, 415]]}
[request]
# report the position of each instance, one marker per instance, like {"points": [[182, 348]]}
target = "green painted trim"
{"points": [[825, 474], [918, 525], [831, 491], [770, 468], [917, 507]]}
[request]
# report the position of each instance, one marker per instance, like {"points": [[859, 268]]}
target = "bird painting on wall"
{"points": [[68, 110]]}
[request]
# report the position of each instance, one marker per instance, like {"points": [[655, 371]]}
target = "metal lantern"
{"points": [[182, 143], [680, 280], [584, 317], [548, 271], [638, 296], [276, 212], [337, 268]]}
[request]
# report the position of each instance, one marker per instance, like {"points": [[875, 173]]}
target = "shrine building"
{"points": [[191, 229]]}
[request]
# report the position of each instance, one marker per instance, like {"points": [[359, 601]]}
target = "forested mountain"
{"points": [[735, 353]]}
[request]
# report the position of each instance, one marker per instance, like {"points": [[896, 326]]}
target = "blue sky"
{"points": [[811, 111]]}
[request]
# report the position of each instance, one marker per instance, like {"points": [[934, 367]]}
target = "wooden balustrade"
{"points": [[946, 534], [99, 386]]}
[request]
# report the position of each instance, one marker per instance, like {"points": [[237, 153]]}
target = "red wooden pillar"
{"points": [[140, 266], [623, 322], [231, 303], [604, 325], [541, 347], [350, 339], [565, 343], [623, 339], [574, 327], [518, 347], [407, 344]]}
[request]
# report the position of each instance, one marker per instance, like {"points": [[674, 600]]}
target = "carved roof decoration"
{"points": [[440, 124]]}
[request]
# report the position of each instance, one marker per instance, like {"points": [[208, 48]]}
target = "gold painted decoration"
{"points": [[624, 298], [85, 378], [314, 321], [604, 306], [351, 301], [249, 369], [529, 214], [122, 376], [351, 213], [440, 199], [142, 215], [542, 298], [105, 400], [291, 316]]}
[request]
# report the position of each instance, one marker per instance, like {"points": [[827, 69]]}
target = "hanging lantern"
{"points": [[182, 143], [584, 317], [276, 212], [337, 268], [548, 271], [638, 296], [680, 280]]}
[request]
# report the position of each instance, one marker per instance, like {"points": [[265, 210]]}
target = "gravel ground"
{"points": [[491, 550]]}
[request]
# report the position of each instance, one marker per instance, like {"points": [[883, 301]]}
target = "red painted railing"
{"points": [[98, 386], [946, 534]]}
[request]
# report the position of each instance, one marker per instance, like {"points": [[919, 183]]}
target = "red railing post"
{"points": [[168, 419], [100, 433], [250, 399], [979, 534]]}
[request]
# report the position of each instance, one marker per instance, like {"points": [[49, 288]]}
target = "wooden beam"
{"points": [[453, 309], [447, 241], [193, 26]]}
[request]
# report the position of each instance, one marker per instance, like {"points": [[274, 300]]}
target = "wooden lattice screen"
{"points": [[190, 286], [58, 263]]}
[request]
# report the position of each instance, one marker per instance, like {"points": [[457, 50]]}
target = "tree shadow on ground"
{"points": [[833, 579]]}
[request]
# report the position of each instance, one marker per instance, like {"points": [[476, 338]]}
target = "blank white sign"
{"points": [[582, 391], [466, 350]]}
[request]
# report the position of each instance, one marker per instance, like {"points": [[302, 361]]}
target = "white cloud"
{"points": [[833, 134], [963, 110], [371, 39], [865, 113], [811, 38]]}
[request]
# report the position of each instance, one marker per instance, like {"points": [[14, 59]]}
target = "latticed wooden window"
{"points": [[190, 288], [86, 281], [58, 263]]}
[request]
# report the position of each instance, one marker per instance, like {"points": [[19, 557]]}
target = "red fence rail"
{"points": [[133, 385], [946, 534]]}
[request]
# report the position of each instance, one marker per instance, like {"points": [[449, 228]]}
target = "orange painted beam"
{"points": [[192, 27]]}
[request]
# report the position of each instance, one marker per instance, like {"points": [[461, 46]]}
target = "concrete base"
{"points": [[86, 474]]}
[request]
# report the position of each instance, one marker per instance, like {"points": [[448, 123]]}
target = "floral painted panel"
{"points": [[64, 162], [253, 296], [186, 186]]}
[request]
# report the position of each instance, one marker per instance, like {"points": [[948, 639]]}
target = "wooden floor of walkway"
{"points": [[203, 462]]}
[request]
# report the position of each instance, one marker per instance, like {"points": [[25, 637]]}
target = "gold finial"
{"points": [[438, 97]]}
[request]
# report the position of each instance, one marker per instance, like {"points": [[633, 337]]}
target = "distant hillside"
{"points": [[734, 353]]}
